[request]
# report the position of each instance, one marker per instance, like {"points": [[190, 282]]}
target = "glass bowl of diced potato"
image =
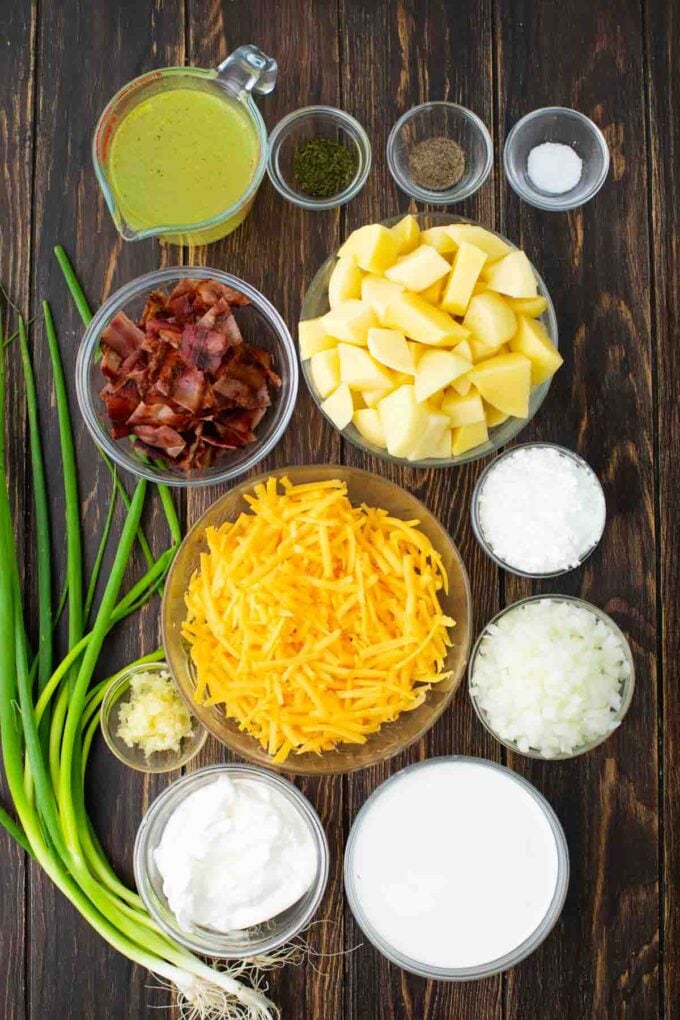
{"points": [[428, 340]]}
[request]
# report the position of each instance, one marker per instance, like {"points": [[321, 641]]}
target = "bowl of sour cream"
{"points": [[231, 861]]}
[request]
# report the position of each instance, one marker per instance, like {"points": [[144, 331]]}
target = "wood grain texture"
{"points": [[396, 55], [662, 37], [612, 268], [602, 959], [86, 53], [17, 83]]}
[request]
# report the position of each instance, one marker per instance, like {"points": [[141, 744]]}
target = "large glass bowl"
{"points": [[260, 324], [316, 303], [363, 487]]}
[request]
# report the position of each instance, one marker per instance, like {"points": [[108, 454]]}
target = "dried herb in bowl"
{"points": [[436, 163], [323, 168]]}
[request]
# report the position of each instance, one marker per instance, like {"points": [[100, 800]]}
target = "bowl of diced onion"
{"points": [[551, 677], [146, 724]]}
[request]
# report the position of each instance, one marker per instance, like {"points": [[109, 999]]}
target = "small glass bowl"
{"points": [[484, 970], [436, 120], [260, 323], [259, 939], [316, 304], [478, 490], [568, 127], [628, 684], [303, 125], [160, 761]]}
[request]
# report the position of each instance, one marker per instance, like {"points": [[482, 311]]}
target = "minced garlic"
{"points": [[155, 718]]}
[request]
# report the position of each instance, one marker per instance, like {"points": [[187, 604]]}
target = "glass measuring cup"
{"points": [[246, 71]]}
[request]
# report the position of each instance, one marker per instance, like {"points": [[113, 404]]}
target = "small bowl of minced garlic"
{"points": [[145, 720]]}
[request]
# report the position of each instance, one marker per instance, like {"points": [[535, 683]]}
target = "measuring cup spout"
{"points": [[248, 69]]}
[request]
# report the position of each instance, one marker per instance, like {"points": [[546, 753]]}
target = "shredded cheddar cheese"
{"points": [[314, 622]]}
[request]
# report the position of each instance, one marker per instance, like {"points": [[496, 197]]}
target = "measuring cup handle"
{"points": [[248, 69]]}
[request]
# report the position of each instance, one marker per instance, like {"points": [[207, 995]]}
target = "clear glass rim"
{"points": [[477, 526], [351, 433], [115, 690], [88, 347], [180, 228], [628, 684], [492, 967], [174, 794], [455, 193], [352, 127], [535, 198], [291, 766]]}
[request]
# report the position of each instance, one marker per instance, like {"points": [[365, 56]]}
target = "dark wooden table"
{"points": [[612, 268]]}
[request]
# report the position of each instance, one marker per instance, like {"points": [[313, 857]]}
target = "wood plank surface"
{"points": [[613, 269], [662, 38], [17, 86], [602, 959]]}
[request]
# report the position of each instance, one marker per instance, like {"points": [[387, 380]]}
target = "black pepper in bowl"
{"points": [[323, 168], [436, 163]]}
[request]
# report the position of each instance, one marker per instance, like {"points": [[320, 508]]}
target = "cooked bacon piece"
{"points": [[158, 414], [163, 437], [122, 335], [183, 382], [121, 402], [155, 302], [110, 364], [210, 291]]}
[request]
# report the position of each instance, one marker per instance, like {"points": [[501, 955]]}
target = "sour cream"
{"points": [[453, 864], [233, 854]]}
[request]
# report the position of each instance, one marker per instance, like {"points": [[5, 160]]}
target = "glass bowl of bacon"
{"points": [[187, 376]]}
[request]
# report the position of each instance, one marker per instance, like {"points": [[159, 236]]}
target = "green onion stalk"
{"points": [[49, 712]]}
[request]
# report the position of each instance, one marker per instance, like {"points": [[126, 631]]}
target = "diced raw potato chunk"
{"points": [[505, 382], [464, 350], [490, 320], [373, 248], [466, 267], [367, 421], [313, 338], [462, 385], [350, 322], [439, 238], [436, 370], [420, 269], [403, 420], [494, 417], [532, 340], [359, 370], [389, 347], [339, 406], [480, 286], [494, 247], [345, 282], [373, 397], [463, 410], [514, 276], [325, 370], [434, 292], [466, 437], [429, 440], [419, 320], [442, 451], [531, 306], [378, 292], [407, 233]]}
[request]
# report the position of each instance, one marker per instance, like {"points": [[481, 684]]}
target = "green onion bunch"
{"points": [[49, 711]]}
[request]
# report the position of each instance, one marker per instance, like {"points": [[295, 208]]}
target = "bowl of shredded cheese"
{"points": [[317, 620], [146, 723]]}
